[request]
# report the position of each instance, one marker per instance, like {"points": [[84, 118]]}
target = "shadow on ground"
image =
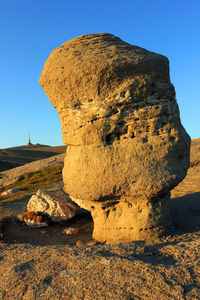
{"points": [[185, 212], [146, 254], [16, 232]]}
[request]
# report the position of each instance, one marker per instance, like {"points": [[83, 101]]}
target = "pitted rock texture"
{"points": [[120, 120], [57, 208]]}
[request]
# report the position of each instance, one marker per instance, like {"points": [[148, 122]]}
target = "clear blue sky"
{"points": [[31, 29]]}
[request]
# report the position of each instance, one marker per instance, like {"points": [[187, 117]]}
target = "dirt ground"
{"points": [[44, 263], [16, 232]]}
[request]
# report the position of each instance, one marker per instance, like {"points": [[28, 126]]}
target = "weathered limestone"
{"points": [[126, 146], [57, 208]]}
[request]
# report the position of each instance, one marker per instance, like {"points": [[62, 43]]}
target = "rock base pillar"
{"points": [[125, 221]]}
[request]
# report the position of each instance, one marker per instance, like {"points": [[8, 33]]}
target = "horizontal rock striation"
{"points": [[120, 120]]}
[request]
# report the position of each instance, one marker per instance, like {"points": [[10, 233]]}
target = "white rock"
{"points": [[70, 231], [11, 191], [34, 224], [58, 208], [104, 261]]}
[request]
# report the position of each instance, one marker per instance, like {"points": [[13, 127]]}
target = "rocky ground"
{"points": [[166, 269], [47, 264]]}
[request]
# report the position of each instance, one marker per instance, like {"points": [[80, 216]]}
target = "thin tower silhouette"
{"points": [[29, 139]]}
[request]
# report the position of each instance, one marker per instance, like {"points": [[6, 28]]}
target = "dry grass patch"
{"points": [[31, 182]]}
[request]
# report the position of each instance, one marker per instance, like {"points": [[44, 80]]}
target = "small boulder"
{"points": [[10, 191], [70, 231], [58, 208], [35, 219], [79, 243]]}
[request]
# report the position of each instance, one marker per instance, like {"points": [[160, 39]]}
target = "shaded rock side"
{"points": [[120, 120]]}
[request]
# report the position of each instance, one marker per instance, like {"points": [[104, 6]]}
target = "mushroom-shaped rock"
{"points": [[126, 146]]}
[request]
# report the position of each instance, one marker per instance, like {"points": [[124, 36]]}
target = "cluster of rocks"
{"points": [[35, 219], [120, 120], [46, 207]]}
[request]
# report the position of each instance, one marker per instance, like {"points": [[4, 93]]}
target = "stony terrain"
{"points": [[168, 269], [49, 265]]}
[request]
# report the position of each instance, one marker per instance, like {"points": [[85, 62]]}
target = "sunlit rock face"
{"points": [[126, 146]]}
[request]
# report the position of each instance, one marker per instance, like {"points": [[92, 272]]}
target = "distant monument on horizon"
{"points": [[29, 140], [35, 145]]}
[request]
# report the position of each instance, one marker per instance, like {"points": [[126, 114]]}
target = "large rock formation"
{"points": [[126, 146]]}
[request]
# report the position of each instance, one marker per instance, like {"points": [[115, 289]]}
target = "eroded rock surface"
{"points": [[55, 207], [120, 119]]}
